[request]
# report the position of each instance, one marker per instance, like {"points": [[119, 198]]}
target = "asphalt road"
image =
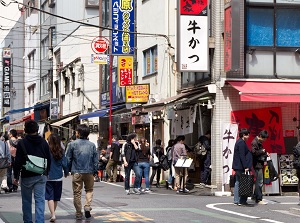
{"points": [[110, 204]]}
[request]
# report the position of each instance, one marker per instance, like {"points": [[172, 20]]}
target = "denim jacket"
{"points": [[56, 168], [82, 157]]}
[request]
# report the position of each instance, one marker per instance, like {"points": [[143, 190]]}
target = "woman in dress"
{"points": [[54, 183]]}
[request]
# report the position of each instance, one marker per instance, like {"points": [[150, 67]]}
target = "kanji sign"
{"points": [[6, 65], [125, 70], [193, 37], [137, 93], [100, 44]]}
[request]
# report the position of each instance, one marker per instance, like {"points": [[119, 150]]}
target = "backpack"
{"points": [[169, 154], [12, 147], [200, 149], [163, 162]]}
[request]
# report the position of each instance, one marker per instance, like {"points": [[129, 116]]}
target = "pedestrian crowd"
{"points": [[87, 164]]}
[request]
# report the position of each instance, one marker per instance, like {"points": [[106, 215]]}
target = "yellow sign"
{"points": [[137, 93], [125, 70]]}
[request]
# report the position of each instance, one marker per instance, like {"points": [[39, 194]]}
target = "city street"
{"points": [[110, 204]]}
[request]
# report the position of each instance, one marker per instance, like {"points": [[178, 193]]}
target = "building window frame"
{"points": [[150, 58]]}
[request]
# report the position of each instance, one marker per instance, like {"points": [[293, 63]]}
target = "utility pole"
{"points": [[100, 66]]}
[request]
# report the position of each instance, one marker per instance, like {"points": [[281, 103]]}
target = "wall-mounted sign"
{"points": [[137, 93], [122, 24], [125, 70], [193, 36], [53, 108], [99, 58], [100, 44], [6, 64]]}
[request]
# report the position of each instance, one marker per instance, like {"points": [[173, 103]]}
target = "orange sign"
{"points": [[125, 70], [138, 93]]}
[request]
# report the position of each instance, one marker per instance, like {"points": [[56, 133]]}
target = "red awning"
{"points": [[267, 91]]}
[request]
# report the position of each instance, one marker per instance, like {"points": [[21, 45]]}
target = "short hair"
{"points": [[115, 137], [83, 131], [180, 138], [243, 132], [13, 132], [131, 136], [264, 134], [31, 127], [158, 142]]}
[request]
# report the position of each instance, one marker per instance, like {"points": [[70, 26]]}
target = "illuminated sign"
{"points": [[137, 93]]}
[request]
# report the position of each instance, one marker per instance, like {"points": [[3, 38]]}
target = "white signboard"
{"points": [[99, 58]]}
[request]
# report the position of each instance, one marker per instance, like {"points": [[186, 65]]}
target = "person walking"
{"points": [[143, 163], [82, 159], [179, 151], [158, 150], [58, 166], [32, 182], [130, 156], [259, 160], [4, 152], [114, 160], [12, 145], [242, 162]]}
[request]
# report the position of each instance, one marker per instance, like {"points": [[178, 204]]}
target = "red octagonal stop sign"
{"points": [[99, 44]]}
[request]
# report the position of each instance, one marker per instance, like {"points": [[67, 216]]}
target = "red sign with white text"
{"points": [[192, 7], [227, 39], [125, 70], [100, 44], [256, 120]]}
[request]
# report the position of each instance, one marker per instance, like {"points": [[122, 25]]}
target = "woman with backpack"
{"points": [[156, 170]]}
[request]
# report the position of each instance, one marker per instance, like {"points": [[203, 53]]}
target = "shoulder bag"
{"points": [[4, 161], [34, 164]]}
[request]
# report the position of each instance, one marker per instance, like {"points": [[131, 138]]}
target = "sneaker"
{"points": [[186, 190], [136, 191], [262, 202], [78, 217], [127, 192], [148, 190], [170, 187], [87, 214], [52, 219]]}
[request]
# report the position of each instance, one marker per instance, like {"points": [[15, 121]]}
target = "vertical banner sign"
{"points": [[256, 120], [227, 39], [193, 36], [125, 70], [229, 137], [122, 23], [6, 60], [53, 108]]}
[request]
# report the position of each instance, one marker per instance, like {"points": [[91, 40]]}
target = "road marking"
{"points": [[212, 206], [1, 221]]}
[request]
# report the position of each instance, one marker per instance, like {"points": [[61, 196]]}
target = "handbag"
{"points": [[246, 184], [154, 161], [4, 161], [34, 164]]}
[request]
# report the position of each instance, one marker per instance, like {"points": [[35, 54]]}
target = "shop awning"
{"points": [[100, 113], [267, 91], [63, 121]]}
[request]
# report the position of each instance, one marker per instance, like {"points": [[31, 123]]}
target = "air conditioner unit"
{"points": [[50, 54]]}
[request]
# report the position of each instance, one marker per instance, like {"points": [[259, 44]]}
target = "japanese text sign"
{"points": [[193, 36], [125, 70], [6, 65], [137, 93], [123, 27], [256, 120]]}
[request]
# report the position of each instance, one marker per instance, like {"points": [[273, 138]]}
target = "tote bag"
{"points": [[246, 185]]}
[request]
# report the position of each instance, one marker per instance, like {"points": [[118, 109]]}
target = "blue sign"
{"points": [[122, 23]]}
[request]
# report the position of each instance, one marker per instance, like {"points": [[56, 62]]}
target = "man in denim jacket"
{"points": [[82, 163]]}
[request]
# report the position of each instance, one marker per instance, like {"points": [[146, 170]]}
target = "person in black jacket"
{"points": [[158, 150], [205, 140], [114, 155], [32, 182], [259, 160], [242, 162], [130, 154]]}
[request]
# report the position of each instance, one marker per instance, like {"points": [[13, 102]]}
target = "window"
{"points": [[66, 83], [31, 63], [272, 37], [105, 13], [150, 61], [31, 90], [44, 85], [45, 47], [73, 81]]}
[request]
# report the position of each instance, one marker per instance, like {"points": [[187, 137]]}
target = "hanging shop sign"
{"points": [[193, 36], [123, 27], [137, 93], [256, 120], [100, 45], [6, 64], [53, 108], [99, 58], [125, 70]]}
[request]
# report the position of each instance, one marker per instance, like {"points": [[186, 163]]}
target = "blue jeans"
{"points": [[144, 168], [170, 179], [37, 185], [205, 169], [258, 185], [132, 166], [238, 199]]}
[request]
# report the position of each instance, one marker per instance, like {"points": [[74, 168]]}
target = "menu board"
{"points": [[288, 175]]}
